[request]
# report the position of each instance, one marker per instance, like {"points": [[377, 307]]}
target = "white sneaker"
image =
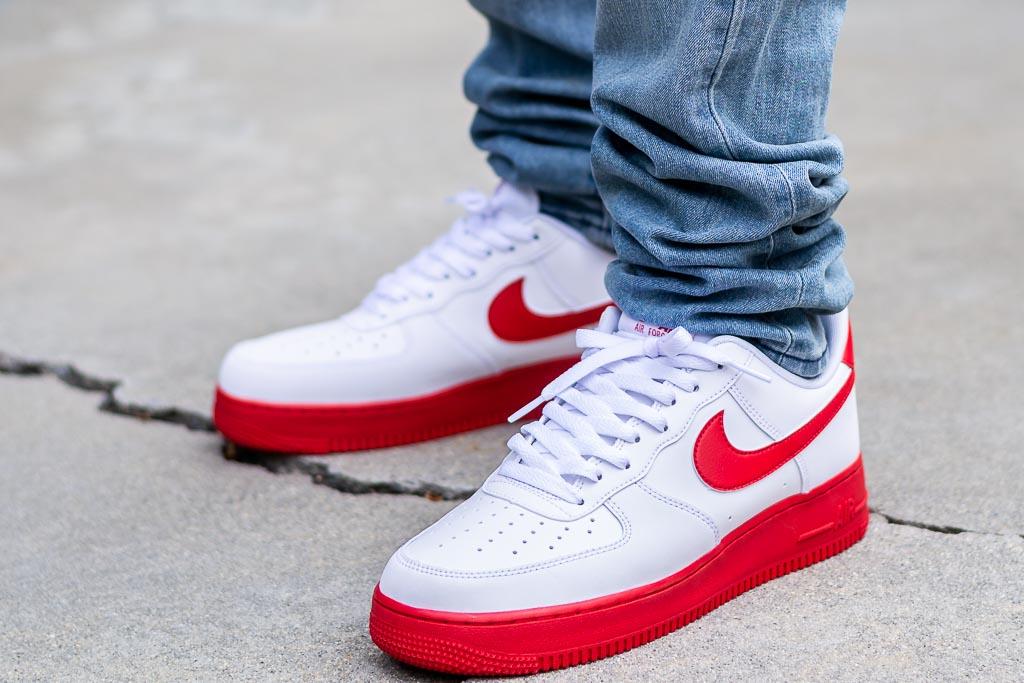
{"points": [[453, 340], [667, 476]]}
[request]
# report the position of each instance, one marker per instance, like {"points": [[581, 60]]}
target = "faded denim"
{"points": [[690, 136]]}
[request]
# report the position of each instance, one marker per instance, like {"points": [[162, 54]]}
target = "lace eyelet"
{"points": [[536, 237], [721, 367], [696, 388], [600, 476], [664, 429], [637, 439], [580, 503]]}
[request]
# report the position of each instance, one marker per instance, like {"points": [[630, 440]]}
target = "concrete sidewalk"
{"points": [[156, 159]]}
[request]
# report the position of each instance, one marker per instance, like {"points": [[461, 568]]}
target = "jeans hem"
{"points": [[808, 369], [595, 225]]}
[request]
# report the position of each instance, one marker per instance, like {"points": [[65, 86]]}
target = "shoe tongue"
{"points": [[519, 202], [635, 328], [632, 327]]}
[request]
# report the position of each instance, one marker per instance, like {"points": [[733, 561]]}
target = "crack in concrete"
{"points": [[938, 528], [73, 377], [277, 463], [321, 475], [272, 462]]}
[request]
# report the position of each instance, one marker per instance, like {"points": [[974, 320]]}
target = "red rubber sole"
{"points": [[292, 428], [790, 535]]}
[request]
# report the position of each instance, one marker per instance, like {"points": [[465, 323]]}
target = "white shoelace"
{"points": [[590, 406], [485, 229]]}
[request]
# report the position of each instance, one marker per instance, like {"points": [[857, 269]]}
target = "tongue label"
{"points": [[650, 330], [633, 326]]}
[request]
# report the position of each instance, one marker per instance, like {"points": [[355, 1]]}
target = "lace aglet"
{"points": [[525, 410]]}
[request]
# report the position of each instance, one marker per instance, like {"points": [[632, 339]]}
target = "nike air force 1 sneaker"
{"points": [[453, 340], [666, 476]]}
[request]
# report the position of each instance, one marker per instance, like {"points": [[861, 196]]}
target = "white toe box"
{"points": [[491, 555], [323, 363]]}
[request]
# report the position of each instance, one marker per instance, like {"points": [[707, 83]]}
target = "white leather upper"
{"points": [[512, 546], [421, 345]]}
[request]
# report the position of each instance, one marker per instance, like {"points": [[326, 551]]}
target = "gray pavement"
{"points": [[133, 551], [157, 159]]}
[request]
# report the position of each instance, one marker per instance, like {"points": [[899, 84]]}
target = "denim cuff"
{"points": [[586, 214], [808, 369]]}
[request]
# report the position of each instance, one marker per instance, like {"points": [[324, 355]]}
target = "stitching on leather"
{"points": [[479, 353], [803, 474], [554, 500], [685, 507], [759, 418]]}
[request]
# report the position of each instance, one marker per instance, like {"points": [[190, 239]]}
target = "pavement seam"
{"points": [[73, 377], [938, 528], [321, 475], [318, 473]]}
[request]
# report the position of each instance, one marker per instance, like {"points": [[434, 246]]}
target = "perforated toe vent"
{"points": [[330, 341], [487, 533]]}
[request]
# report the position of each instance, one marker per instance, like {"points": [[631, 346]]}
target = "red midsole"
{"points": [[321, 427], [788, 529]]}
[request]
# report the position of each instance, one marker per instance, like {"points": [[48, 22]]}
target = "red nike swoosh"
{"points": [[512, 321], [726, 468]]}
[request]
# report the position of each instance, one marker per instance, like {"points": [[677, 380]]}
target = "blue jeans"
{"points": [[688, 135]]}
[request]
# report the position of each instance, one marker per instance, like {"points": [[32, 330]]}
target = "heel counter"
{"points": [[848, 350], [853, 418]]}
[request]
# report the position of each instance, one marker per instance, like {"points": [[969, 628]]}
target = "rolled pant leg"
{"points": [[531, 84], [714, 165]]}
